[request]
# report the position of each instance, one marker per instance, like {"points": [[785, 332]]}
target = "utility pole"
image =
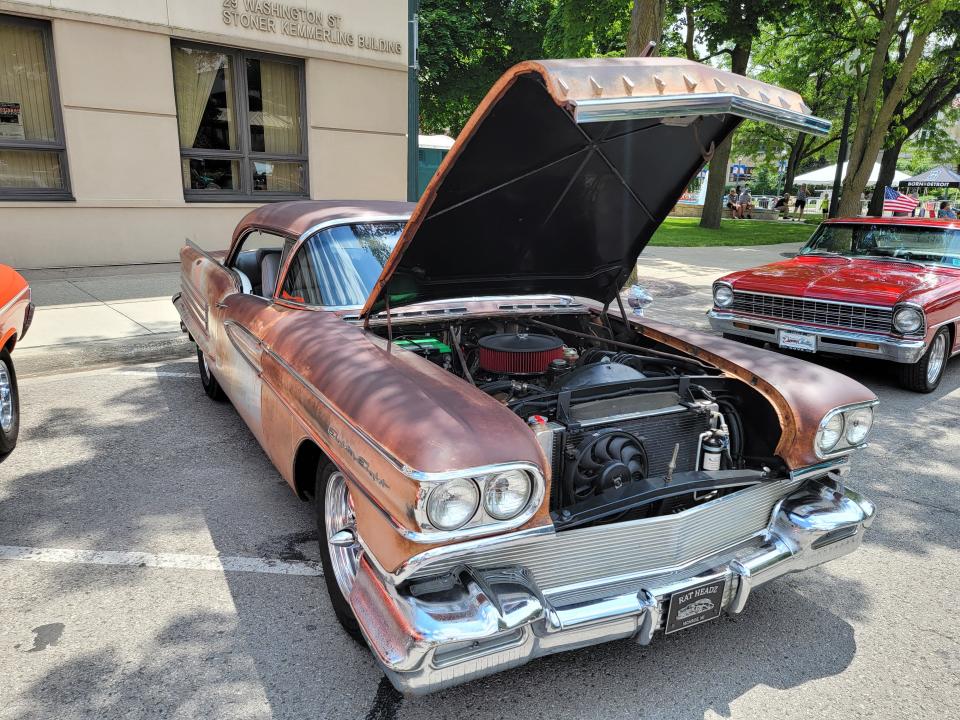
{"points": [[413, 100]]}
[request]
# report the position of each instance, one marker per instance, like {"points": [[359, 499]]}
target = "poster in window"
{"points": [[11, 120]]}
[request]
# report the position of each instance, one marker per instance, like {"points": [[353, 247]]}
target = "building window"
{"points": [[33, 165], [241, 122]]}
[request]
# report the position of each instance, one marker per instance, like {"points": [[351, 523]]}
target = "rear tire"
{"points": [[333, 512], [924, 376], [9, 404], [210, 385]]}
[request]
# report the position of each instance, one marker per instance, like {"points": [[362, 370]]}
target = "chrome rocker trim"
{"points": [[890, 348], [500, 619]]}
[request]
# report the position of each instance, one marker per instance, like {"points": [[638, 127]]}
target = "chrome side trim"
{"points": [[805, 473], [247, 344], [721, 103], [15, 299]]}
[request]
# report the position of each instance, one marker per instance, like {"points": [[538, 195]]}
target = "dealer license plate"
{"points": [[798, 341], [695, 605]]}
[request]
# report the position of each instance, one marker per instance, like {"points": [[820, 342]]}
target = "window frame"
{"points": [[243, 154], [57, 145]]}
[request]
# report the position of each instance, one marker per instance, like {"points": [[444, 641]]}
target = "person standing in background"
{"points": [[801, 204]]}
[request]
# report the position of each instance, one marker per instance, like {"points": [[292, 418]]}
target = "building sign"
{"points": [[11, 121], [278, 18]]}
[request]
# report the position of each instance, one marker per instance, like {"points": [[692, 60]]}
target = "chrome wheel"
{"points": [[6, 398], [340, 525], [938, 355]]}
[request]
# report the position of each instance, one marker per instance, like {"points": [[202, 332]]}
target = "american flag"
{"points": [[894, 201]]}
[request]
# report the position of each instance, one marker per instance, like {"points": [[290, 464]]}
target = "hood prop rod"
{"points": [[389, 325]]}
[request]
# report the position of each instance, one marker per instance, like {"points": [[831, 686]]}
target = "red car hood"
{"points": [[869, 282]]}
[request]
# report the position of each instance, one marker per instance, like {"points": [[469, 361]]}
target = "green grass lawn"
{"points": [[686, 232]]}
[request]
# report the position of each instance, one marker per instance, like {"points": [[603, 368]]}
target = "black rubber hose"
{"points": [[679, 359]]}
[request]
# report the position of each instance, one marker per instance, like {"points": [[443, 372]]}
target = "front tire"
{"points": [[340, 559], [210, 385], [9, 404], [925, 375]]}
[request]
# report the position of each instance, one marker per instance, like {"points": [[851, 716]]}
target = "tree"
{"points": [[646, 26], [587, 28], [875, 27], [730, 29], [933, 86], [465, 46]]}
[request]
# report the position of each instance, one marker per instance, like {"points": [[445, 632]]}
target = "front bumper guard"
{"points": [[833, 341], [499, 619]]}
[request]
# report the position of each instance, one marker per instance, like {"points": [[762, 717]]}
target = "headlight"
{"points": [[830, 433], [907, 320], [858, 425], [723, 295], [452, 504], [507, 494], [844, 429]]}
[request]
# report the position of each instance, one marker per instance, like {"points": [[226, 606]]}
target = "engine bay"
{"points": [[630, 429]]}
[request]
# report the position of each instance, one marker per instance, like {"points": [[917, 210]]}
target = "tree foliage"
{"points": [[465, 45]]}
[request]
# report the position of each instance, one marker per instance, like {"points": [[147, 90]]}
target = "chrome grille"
{"points": [[817, 312], [650, 546]]}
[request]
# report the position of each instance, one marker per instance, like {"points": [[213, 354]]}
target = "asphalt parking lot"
{"points": [[155, 565]]}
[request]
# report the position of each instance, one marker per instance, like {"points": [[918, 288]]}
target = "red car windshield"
{"points": [[887, 242]]}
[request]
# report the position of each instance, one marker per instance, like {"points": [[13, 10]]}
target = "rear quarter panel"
{"points": [[14, 300]]}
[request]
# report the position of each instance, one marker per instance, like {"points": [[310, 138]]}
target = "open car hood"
{"points": [[563, 173]]}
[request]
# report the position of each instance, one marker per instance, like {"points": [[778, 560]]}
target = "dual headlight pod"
{"points": [[496, 497], [844, 429]]}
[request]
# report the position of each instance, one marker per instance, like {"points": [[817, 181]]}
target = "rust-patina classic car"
{"points": [[505, 463]]}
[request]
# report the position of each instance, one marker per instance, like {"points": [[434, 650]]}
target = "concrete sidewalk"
{"points": [[101, 315]]}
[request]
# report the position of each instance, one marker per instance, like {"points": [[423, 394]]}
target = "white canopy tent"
{"points": [[825, 176]]}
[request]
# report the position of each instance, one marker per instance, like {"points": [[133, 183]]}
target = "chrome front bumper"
{"points": [[498, 619], [839, 342]]}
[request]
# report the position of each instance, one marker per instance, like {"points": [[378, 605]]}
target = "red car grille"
{"points": [[815, 312]]}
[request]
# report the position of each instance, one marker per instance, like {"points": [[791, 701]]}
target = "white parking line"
{"points": [[157, 373], [167, 561]]}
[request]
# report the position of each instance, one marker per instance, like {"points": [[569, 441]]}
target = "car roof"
{"points": [[296, 217], [939, 223]]}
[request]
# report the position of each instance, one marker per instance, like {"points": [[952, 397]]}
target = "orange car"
{"points": [[16, 314]]}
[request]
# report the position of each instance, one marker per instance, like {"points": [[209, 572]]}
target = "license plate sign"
{"points": [[695, 605], [790, 340]]}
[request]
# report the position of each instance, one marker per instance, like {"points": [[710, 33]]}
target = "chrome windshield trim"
{"points": [[653, 107]]}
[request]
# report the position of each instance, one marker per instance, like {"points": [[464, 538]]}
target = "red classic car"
{"points": [[885, 288], [16, 314], [503, 462]]}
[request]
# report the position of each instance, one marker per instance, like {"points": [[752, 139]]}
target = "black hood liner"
{"points": [[536, 203]]}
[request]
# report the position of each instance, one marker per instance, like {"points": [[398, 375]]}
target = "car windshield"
{"points": [[887, 242], [339, 266]]}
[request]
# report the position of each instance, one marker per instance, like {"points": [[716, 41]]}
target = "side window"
{"points": [[300, 285], [258, 262]]}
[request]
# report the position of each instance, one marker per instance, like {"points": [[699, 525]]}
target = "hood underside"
{"points": [[564, 172]]}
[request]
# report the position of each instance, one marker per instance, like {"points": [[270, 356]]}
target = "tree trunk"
{"points": [[793, 159], [646, 25], [872, 124], [888, 166], [716, 183]]}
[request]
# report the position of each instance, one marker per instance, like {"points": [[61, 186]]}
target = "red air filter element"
{"points": [[519, 354]]}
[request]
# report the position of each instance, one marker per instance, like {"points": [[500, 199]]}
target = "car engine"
{"points": [[629, 431]]}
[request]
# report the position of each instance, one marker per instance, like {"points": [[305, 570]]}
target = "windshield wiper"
{"points": [[893, 258]]}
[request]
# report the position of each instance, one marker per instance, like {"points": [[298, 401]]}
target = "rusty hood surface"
{"points": [[564, 172]]}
